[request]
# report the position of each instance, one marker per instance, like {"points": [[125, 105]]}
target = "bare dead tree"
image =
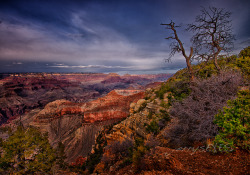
{"points": [[213, 34], [177, 46]]}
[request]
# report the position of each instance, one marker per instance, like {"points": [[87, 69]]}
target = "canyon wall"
{"points": [[20, 93], [76, 124]]}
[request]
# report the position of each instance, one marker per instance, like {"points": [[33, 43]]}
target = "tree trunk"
{"points": [[216, 59], [216, 65], [190, 70]]}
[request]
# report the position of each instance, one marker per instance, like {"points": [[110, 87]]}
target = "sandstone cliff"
{"points": [[76, 124]]}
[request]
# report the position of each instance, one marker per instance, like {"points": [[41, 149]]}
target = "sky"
{"points": [[122, 36]]}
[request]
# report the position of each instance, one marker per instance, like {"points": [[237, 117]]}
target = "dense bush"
{"points": [[177, 89], [245, 52], [234, 123], [27, 151], [153, 127], [244, 64], [207, 69], [195, 114]]}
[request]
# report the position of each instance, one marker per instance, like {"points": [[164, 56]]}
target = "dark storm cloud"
{"points": [[100, 35]]}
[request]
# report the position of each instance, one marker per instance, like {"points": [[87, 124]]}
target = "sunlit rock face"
{"points": [[111, 106], [76, 124]]}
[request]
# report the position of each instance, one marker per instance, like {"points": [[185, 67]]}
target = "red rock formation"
{"points": [[112, 106], [76, 124], [109, 107]]}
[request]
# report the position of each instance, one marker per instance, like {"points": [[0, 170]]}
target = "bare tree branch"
{"points": [[213, 33], [177, 46]]}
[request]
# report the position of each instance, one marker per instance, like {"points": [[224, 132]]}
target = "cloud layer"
{"points": [[99, 36]]}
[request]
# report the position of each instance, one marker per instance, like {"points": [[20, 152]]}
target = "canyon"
{"points": [[20, 93], [71, 108]]}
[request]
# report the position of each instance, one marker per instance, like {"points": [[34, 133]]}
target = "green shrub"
{"points": [[95, 157], [60, 155], [244, 64], [234, 122], [27, 151], [179, 89], [163, 89], [163, 104], [153, 127], [205, 70], [245, 52]]}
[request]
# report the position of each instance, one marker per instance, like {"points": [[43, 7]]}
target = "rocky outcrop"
{"points": [[76, 124], [146, 117], [142, 113], [111, 106]]}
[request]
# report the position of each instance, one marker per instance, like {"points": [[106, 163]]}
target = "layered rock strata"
{"points": [[76, 124]]}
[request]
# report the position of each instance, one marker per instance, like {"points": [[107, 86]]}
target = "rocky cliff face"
{"points": [[142, 113], [111, 106], [76, 124]]}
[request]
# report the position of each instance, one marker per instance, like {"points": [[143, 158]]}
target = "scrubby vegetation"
{"points": [[194, 107], [234, 123], [195, 113], [153, 127], [178, 88], [27, 151], [130, 152], [209, 93]]}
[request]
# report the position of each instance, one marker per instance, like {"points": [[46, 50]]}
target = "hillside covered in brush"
{"points": [[183, 126]]}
